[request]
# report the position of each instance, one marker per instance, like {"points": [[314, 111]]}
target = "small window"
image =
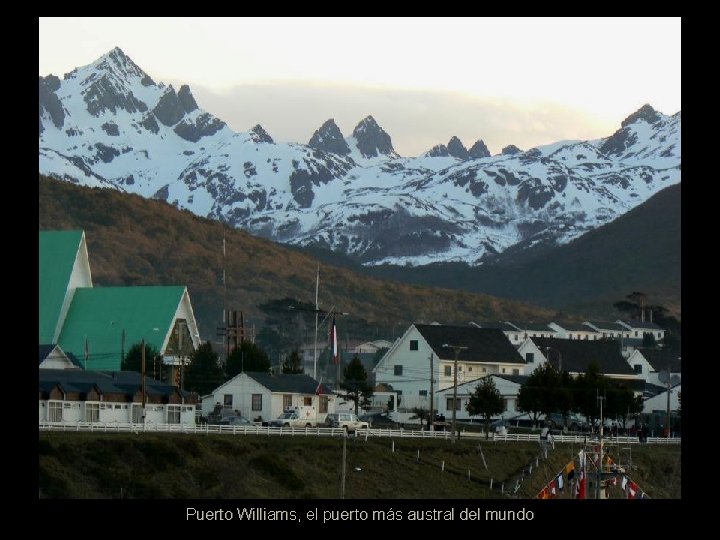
{"points": [[638, 368], [484, 370], [173, 414], [515, 337], [659, 335], [323, 404], [413, 344], [227, 400], [257, 402], [503, 370], [516, 372], [423, 393], [636, 333], [529, 357], [307, 401], [287, 401], [469, 368], [448, 371], [450, 404], [398, 370]]}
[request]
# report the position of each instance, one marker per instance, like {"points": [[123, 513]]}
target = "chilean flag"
{"points": [[333, 342]]}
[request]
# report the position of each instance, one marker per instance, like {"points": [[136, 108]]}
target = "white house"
{"points": [[406, 367], [531, 330], [263, 397], [68, 396], [507, 385], [609, 330], [638, 329], [659, 402], [574, 331], [53, 357], [649, 363]]}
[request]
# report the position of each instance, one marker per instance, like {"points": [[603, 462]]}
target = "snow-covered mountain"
{"points": [[109, 124]]}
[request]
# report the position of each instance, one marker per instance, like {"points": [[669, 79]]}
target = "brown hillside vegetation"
{"points": [[172, 466], [137, 241]]}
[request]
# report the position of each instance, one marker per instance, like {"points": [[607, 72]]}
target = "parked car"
{"points": [[345, 420], [298, 417], [235, 421]]}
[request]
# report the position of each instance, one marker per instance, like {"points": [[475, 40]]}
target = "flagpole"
{"points": [[317, 287]]}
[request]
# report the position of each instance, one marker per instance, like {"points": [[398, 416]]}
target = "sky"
{"points": [[524, 81]]}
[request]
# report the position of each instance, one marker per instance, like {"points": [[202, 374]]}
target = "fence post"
{"points": [[502, 488], [418, 455], [442, 467], [468, 475], [491, 482], [393, 446]]}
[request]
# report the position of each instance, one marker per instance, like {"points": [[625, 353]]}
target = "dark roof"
{"points": [[288, 382], [532, 327], [483, 344], [45, 351], [645, 325], [659, 359], [606, 325], [519, 379], [575, 327], [108, 382], [577, 355], [504, 326]]}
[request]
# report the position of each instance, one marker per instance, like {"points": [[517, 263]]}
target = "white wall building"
{"points": [[574, 331], [406, 366], [264, 397], [507, 385]]}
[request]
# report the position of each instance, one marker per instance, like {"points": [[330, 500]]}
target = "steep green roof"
{"points": [[58, 250], [102, 313]]}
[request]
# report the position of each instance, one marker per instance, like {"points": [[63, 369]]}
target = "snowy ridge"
{"points": [[109, 124]]}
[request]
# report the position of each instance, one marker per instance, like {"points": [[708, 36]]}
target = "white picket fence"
{"points": [[117, 427]]}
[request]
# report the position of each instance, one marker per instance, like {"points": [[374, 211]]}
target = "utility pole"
{"points": [[600, 448], [144, 400], [456, 349], [667, 423], [432, 395], [317, 287], [344, 465]]}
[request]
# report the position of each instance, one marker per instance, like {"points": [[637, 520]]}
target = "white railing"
{"points": [[120, 427]]}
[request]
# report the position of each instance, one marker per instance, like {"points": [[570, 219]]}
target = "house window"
{"points": [[638, 368], [287, 401], [505, 405], [173, 414], [529, 357], [604, 334], [423, 393], [55, 411], [448, 371], [503, 370], [307, 401], [469, 368], [413, 344], [227, 400], [323, 404], [569, 336], [516, 372], [516, 337], [450, 404], [137, 413], [257, 402], [398, 370], [658, 335], [484, 370], [92, 412], [636, 333]]}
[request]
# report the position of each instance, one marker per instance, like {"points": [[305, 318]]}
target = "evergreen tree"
{"points": [[485, 401], [358, 389], [133, 358], [247, 357], [203, 374], [293, 363]]}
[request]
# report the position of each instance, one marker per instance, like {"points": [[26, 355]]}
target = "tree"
{"points": [[246, 357], [133, 358], [537, 395], [203, 374], [358, 389], [648, 341], [293, 363], [485, 401], [588, 386]]}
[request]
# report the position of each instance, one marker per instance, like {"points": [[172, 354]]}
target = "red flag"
{"points": [[632, 489], [552, 488], [580, 490], [333, 342]]}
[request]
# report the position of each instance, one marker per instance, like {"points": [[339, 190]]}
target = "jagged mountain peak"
{"points": [[117, 63], [511, 150], [456, 148], [646, 112], [371, 139], [479, 150], [259, 135], [329, 138]]}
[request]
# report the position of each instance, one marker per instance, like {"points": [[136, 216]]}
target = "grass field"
{"points": [[177, 466]]}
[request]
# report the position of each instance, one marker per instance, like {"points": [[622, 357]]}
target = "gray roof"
{"points": [[504, 326], [576, 327], [107, 382], [46, 348], [533, 327], [642, 325], [577, 355], [607, 325], [659, 359], [297, 383], [483, 344]]}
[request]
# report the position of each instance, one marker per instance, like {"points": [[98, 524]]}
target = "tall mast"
{"points": [[317, 288]]}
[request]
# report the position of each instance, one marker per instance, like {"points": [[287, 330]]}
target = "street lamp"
{"points": [[548, 349], [456, 349]]}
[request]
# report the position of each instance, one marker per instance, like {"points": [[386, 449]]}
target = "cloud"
{"points": [[416, 120]]}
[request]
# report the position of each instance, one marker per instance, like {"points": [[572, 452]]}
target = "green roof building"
{"points": [[99, 324]]}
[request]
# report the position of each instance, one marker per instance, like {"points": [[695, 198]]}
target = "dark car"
{"points": [[235, 421]]}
